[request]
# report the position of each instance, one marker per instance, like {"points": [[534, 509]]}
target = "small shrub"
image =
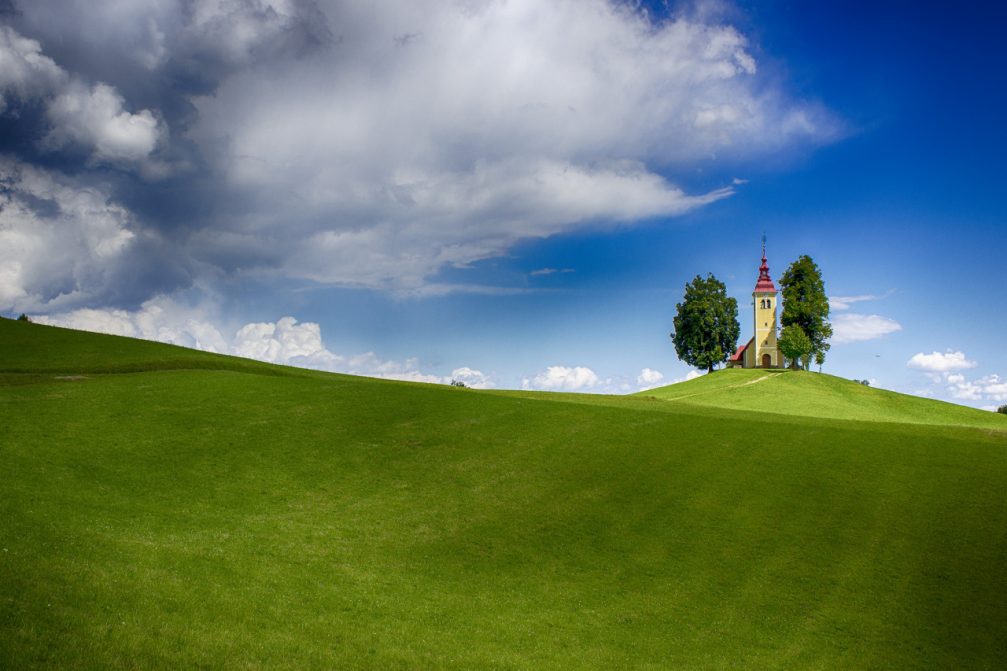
{"points": [[458, 383], [866, 383]]}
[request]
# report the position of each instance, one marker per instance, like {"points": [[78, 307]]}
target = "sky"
{"points": [[514, 193]]}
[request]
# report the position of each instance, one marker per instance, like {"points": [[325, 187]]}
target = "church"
{"points": [[761, 351]]}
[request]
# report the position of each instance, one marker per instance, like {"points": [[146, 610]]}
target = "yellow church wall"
{"points": [[765, 305]]}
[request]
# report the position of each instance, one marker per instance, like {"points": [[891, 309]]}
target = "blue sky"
{"points": [[512, 194]]}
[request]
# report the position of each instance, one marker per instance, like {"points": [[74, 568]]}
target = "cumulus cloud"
{"points": [[937, 362], [472, 378], [945, 369], [986, 388], [496, 122], [649, 378], [93, 117], [286, 342], [161, 319], [25, 72], [375, 145], [851, 327], [62, 241], [563, 378]]}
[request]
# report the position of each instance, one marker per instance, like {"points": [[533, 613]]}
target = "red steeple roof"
{"points": [[765, 282]]}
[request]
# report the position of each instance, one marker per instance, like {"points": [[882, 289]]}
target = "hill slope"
{"points": [[231, 517], [818, 395]]}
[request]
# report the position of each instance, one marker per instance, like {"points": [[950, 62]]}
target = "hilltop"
{"points": [[809, 394], [166, 508]]}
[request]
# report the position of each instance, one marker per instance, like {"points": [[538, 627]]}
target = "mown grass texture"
{"points": [[236, 515]]}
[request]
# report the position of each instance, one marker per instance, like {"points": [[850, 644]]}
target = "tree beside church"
{"points": [[806, 305], [706, 323]]}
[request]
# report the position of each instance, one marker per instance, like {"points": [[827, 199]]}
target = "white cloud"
{"points": [[691, 375], [844, 302], [563, 378], [383, 159], [446, 219], [649, 379], [25, 72], [472, 378], [90, 116], [936, 362], [60, 242], [287, 342], [426, 136], [95, 117], [550, 271], [943, 369], [851, 327], [987, 388], [161, 319]]}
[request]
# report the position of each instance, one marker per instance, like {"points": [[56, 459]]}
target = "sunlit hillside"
{"points": [[164, 508]]}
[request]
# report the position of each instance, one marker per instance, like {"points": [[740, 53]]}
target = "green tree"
{"points": [[819, 360], [806, 305], [706, 324], [795, 344], [1002, 409]]}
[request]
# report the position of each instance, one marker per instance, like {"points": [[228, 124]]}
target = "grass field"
{"points": [[165, 508]]}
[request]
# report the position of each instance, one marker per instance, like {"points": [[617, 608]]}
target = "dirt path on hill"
{"points": [[733, 386]]}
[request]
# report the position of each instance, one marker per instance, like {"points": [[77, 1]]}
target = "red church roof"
{"points": [[765, 282], [740, 352]]}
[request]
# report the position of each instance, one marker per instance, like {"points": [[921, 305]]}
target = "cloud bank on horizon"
{"points": [[292, 343], [353, 144]]}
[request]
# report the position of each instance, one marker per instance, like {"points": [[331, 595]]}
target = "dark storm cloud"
{"points": [[97, 96]]}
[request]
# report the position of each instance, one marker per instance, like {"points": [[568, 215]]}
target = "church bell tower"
{"points": [[767, 354]]}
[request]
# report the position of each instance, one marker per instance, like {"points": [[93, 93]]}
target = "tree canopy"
{"points": [[706, 324], [795, 344], [806, 305]]}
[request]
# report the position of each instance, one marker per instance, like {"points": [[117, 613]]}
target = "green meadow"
{"points": [[167, 508]]}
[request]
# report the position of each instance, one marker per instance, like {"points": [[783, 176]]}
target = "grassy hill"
{"points": [[818, 395], [163, 508]]}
